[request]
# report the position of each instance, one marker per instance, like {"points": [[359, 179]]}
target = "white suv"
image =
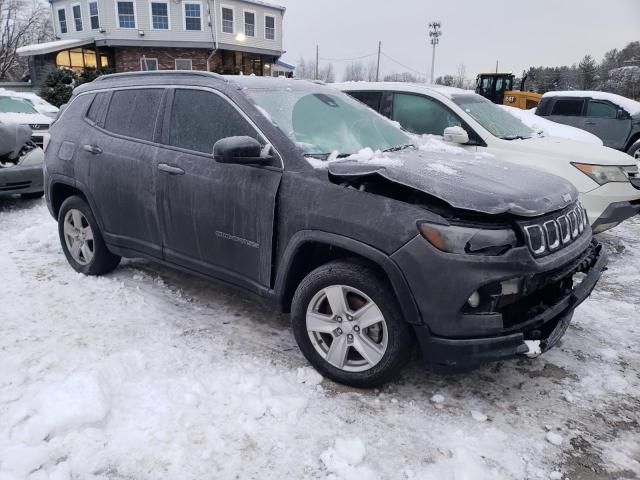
{"points": [[607, 180]]}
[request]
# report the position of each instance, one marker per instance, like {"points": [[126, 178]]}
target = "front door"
{"points": [[569, 111], [217, 219], [602, 120]]}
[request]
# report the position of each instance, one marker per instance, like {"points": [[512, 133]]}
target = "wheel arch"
{"points": [[309, 249], [634, 138], [60, 189]]}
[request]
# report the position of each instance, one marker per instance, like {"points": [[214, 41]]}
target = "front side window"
{"points": [[196, 121], [133, 112], [126, 15], [227, 20], [148, 64], [77, 17], [159, 15], [184, 64], [250, 24], [62, 20], [421, 115], [493, 118], [600, 109], [321, 122], [94, 18], [270, 27], [571, 107], [192, 16]]}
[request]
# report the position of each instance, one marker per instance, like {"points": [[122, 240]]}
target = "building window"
{"points": [[80, 58], [148, 64], [184, 64], [269, 27], [159, 16], [227, 20], [250, 24], [94, 18], [126, 15], [62, 20], [192, 16], [77, 17]]}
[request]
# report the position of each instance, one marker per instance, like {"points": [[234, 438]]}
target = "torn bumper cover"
{"points": [[529, 326]]}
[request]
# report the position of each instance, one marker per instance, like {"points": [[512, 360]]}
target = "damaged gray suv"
{"points": [[307, 198]]}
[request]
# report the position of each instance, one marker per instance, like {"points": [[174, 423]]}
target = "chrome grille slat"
{"points": [[550, 234]]}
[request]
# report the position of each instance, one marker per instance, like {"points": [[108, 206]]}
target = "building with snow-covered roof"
{"points": [[223, 36]]}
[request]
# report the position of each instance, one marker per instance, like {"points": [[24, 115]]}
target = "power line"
{"points": [[403, 65], [348, 59]]}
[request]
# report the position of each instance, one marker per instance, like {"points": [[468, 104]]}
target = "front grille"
{"points": [[38, 140], [14, 186], [550, 233]]}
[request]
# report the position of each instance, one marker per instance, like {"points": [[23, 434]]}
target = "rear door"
{"points": [[216, 218], [569, 111], [602, 120], [118, 154]]}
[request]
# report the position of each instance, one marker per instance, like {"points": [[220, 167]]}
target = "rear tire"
{"points": [[31, 196], [81, 239], [331, 333]]}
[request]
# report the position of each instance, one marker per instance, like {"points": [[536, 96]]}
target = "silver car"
{"points": [[21, 162]]}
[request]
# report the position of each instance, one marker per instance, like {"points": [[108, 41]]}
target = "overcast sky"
{"points": [[476, 33]]}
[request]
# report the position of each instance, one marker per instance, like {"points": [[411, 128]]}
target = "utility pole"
{"points": [[317, 60], [497, 66], [378, 67], [435, 33]]}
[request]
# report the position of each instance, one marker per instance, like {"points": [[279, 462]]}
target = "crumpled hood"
{"points": [[572, 150], [474, 182]]}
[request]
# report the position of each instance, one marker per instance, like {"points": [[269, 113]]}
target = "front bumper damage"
{"points": [[526, 327]]}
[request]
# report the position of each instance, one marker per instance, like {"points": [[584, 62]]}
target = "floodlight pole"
{"points": [[434, 33]]}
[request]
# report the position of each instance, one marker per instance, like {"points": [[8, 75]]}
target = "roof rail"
{"points": [[155, 73]]}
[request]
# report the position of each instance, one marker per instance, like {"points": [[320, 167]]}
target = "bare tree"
{"points": [[355, 72], [402, 77], [21, 23], [306, 69], [372, 71], [460, 77]]}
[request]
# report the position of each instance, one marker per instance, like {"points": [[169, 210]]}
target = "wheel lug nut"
{"points": [[339, 319], [356, 328], [349, 337], [350, 318]]}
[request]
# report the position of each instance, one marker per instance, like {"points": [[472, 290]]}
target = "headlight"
{"points": [[602, 174], [468, 240]]}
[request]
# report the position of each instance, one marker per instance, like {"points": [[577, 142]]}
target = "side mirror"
{"points": [[240, 150], [456, 135], [622, 114]]}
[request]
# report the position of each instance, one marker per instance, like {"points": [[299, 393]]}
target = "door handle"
{"points": [[163, 167], [589, 123], [93, 149]]}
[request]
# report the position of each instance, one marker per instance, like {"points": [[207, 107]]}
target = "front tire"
{"points": [[348, 324], [634, 150], [81, 239]]}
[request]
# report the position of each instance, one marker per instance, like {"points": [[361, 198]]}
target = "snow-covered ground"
{"points": [[152, 374]]}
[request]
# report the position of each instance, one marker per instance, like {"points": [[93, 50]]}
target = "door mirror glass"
{"points": [[240, 150], [456, 135]]}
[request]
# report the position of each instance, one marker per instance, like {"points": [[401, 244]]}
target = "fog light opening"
{"points": [[474, 300]]}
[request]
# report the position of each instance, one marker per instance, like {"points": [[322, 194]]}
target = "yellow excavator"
{"points": [[498, 87]]}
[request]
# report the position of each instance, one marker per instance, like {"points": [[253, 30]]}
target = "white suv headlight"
{"points": [[602, 174]]}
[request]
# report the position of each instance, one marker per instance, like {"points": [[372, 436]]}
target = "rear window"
{"points": [[95, 113], [570, 107], [133, 112]]}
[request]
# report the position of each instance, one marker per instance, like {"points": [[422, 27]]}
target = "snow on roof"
{"points": [[402, 87], [280, 63], [265, 4], [50, 47], [631, 106]]}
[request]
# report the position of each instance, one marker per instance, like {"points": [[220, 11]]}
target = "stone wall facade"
{"points": [[127, 59]]}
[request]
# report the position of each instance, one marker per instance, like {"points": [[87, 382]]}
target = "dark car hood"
{"points": [[476, 182]]}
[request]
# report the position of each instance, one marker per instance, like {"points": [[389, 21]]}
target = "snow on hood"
{"points": [[467, 181], [547, 128], [24, 118]]}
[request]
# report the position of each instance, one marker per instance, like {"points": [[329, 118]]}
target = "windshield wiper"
{"points": [[398, 148], [515, 137], [325, 156]]}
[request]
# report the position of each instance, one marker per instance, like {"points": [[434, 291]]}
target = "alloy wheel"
{"points": [[78, 237]]}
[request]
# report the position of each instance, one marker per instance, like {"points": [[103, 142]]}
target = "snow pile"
{"points": [[152, 373], [365, 156], [631, 106], [547, 128], [39, 103]]}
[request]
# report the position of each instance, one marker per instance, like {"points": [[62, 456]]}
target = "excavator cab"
{"points": [[493, 85], [498, 87]]}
